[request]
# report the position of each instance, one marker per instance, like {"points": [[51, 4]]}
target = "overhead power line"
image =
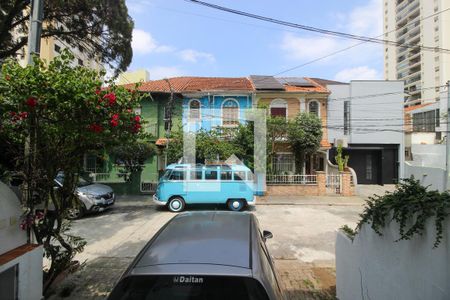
{"points": [[318, 30]]}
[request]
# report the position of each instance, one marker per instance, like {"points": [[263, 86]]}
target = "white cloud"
{"points": [[160, 72], [194, 56], [362, 20], [358, 73], [366, 20], [300, 48], [144, 43], [137, 6]]}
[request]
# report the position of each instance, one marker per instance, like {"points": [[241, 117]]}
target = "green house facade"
{"points": [[154, 111]]}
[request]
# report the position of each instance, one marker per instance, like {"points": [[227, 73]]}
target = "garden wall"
{"points": [[376, 267]]}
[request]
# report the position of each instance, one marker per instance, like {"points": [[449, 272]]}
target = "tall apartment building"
{"points": [[422, 23], [52, 46]]}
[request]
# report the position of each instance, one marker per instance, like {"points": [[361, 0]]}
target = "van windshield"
{"points": [[188, 288]]}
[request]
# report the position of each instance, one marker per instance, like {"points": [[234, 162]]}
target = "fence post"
{"points": [[346, 187], [321, 183]]}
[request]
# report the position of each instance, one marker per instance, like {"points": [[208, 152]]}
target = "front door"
{"points": [[367, 165]]}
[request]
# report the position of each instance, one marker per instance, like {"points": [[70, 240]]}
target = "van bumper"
{"points": [[252, 202], [157, 201]]}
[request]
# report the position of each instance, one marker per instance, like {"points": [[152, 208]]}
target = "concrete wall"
{"points": [[30, 274], [429, 155], [428, 176], [374, 267], [11, 236], [423, 138]]}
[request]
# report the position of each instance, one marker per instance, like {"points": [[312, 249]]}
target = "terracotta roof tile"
{"points": [[195, 84], [325, 144], [410, 108]]}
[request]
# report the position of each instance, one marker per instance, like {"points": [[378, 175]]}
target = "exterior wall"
{"points": [[318, 189], [133, 77], [400, 19], [298, 103], [429, 155], [48, 53], [377, 267], [373, 119], [423, 138], [211, 109], [30, 275], [11, 236], [152, 111], [428, 176], [292, 190]]}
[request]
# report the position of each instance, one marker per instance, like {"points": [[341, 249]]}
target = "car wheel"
{"points": [[76, 212], [176, 204], [235, 204]]}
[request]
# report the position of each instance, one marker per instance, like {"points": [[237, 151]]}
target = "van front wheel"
{"points": [[176, 204], [236, 204]]}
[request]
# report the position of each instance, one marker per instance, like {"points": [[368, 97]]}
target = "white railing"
{"points": [[96, 177], [291, 179]]}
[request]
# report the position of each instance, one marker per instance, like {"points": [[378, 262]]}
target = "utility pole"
{"points": [[35, 29], [34, 48], [447, 137]]}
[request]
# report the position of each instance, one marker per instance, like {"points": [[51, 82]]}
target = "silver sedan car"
{"points": [[92, 197]]}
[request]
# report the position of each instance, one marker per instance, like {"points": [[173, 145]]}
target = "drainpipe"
{"points": [[447, 136]]}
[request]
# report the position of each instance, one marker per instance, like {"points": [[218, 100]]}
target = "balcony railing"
{"points": [[291, 179]]}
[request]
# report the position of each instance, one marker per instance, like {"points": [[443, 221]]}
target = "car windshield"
{"points": [[166, 174], [188, 288], [82, 181]]}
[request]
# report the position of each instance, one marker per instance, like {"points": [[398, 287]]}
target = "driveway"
{"points": [[303, 245]]}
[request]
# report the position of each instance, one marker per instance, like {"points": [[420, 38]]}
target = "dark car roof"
{"points": [[216, 238]]}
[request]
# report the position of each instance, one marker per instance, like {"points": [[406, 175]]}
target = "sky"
{"points": [[177, 38]]}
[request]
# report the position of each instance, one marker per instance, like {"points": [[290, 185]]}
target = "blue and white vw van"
{"points": [[184, 184]]}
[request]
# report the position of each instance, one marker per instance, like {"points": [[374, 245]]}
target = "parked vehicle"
{"points": [[207, 255], [92, 197], [184, 184]]}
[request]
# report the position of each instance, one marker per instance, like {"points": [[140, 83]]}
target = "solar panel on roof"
{"points": [[296, 81], [262, 82]]}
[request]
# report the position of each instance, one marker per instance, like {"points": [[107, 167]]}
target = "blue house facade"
{"points": [[211, 110]]}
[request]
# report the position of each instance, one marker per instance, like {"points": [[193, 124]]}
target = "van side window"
{"points": [[239, 175], [225, 175], [177, 175], [196, 174], [210, 174]]}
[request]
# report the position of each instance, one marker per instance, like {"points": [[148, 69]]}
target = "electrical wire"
{"points": [[316, 29]]}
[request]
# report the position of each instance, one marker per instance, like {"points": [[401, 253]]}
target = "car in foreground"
{"points": [[204, 255], [92, 197]]}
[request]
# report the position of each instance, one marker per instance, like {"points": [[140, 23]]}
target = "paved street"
{"points": [[303, 244]]}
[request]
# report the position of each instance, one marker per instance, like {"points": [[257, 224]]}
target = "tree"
{"points": [[210, 145], [304, 134], [131, 157], [103, 29], [50, 116], [276, 132]]}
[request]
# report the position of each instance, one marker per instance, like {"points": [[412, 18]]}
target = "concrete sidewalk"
{"points": [[310, 200], [146, 200]]}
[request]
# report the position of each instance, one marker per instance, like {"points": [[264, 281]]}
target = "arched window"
{"points": [[314, 108], [230, 113], [194, 110], [278, 108]]}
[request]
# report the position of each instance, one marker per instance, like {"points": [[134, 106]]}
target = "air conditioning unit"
{"points": [[341, 142]]}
